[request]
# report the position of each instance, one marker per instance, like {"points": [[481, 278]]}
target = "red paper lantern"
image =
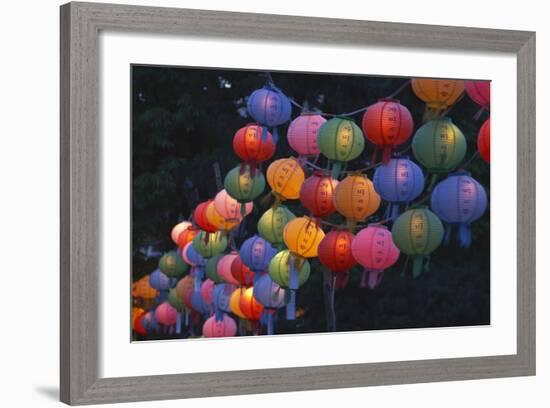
{"points": [[250, 307], [242, 273], [251, 144], [484, 141], [387, 124], [317, 194], [335, 251], [138, 324], [187, 236], [200, 218], [479, 92]]}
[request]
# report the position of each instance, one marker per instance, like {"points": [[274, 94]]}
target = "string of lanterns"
{"points": [[230, 291]]}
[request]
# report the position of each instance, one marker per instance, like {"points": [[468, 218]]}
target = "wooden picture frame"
{"points": [[81, 24]]}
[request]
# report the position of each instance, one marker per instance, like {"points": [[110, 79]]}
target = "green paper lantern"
{"points": [[340, 139], [212, 269], [171, 264], [279, 269], [439, 145], [210, 244], [272, 223], [175, 301], [242, 185]]}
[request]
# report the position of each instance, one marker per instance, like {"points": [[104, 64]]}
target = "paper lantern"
{"points": [[226, 327], [253, 143], [187, 236], [272, 223], [356, 199], [210, 244], [387, 124], [249, 306], [242, 273], [191, 256], [317, 194], [212, 268], [340, 140], [175, 300], [199, 304], [399, 181], [335, 251], [439, 94], [172, 265], [417, 233], [269, 106], [218, 221], [271, 296], [149, 322], [200, 218], [206, 290], [459, 200], [185, 285], [229, 208], [166, 314], [302, 134], [374, 249], [280, 269], [285, 177], [256, 253], [479, 92], [138, 324], [178, 229], [143, 289], [302, 236], [224, 268], [159, 281], [439, 145], [243, 185], [235, 301], [221, 295], [484, 141]]}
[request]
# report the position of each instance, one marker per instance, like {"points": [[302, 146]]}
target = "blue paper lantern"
{"points": [[221, 298], [256, 253], [459, 200], [269, 107], [271, 296], [399, 181], [199, 304], [159, 281]]}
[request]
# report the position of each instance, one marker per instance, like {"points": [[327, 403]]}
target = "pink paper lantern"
{"points": [[374, 249], [224, 268], [302, 134], [229, 208], [479, 92], [206, 290], [178, 229], [166, 314], [222, 328]]}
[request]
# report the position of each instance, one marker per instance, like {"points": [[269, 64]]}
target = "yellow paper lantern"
{"points": [[356, 199], [143, 289], [285, 177], [234, 302], [302, 236], [439, 94]]}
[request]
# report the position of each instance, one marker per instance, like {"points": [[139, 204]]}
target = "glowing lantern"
{"points": [[374, 249], [272, 223], [172, 265], [340, 140], [225, 268], [166, 314], [159, 281], [199, 215], [439, 94], [252, 145], [269, 106], [187, 236], [302, 134], [335, 251], [439, 146], [317, 194], [479, 92], [484, 141], [398, 181], [417, 233], [242, 273], [218, 221], [210, 244], [249, 306], [235, 301], [138, 325], [285, 177], [226, 327], [206, 290], [229, 208], [280, 270], [302, 236], [271, 296], [212, 268], [243, 185], [459, 200], [178, 229], [356, 199], [256, 253], [387, 124]]}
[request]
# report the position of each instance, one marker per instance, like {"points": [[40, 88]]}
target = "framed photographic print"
{"points": [[330, 196]]}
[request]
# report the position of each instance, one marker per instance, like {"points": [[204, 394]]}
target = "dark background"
{"points": [[183, 121]]}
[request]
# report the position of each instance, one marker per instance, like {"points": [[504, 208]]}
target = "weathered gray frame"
{"points": [[80, 26]]}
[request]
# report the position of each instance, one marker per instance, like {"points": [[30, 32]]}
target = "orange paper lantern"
{"points": [[356, 199], [249, 306], [302, 236], [285, 177]]}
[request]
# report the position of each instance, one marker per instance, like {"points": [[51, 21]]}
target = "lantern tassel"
{"points": [[479, 113], [291, 305], [264, 134], [433, 181], [275, 135], [329, 285], [336, 169], [243, 210], [198, 278], [219, 314], [418, 265], [351, 225], [448, 234], [186, 316], [464, 235], [293, 276], [371, 278], [394, 211], [178, 322], [342, 280], [386, 153]]}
